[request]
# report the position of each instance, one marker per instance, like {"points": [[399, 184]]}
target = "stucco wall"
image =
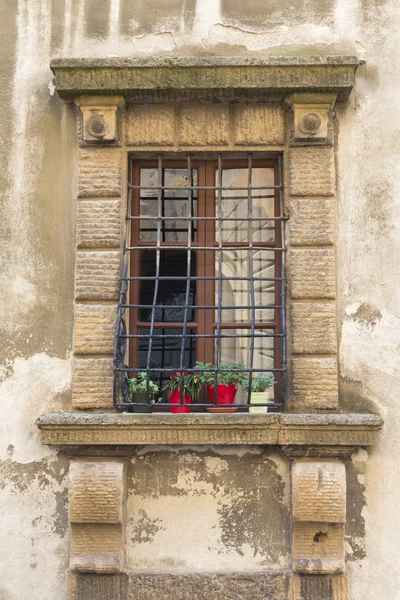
{"points": [[38, 157]]}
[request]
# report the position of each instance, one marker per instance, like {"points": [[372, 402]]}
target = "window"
{"points": [[204, 271]]}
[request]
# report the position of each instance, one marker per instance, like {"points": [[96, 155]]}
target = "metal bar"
{"points": [[157, 273], [195, 218], [196, 278], [187, 291], [283, 288], [209, 306], [201, 187], [209, 248], [219, 295], [252, 294], [192, 370], [197, 335]]}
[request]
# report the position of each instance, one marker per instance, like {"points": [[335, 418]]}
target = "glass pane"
{"points": [[235, 263], [171, 293], [235, 205], [166, 352], [175, 205], [238, 350]]}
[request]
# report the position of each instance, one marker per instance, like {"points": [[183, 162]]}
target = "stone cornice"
{"points": [[74, 429], [193, 78]]}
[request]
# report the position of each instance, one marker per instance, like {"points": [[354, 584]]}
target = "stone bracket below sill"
{"points": [[77, 429]]}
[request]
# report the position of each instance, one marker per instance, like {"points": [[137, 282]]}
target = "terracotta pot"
{"points": [[225, 393], [175, 398]]}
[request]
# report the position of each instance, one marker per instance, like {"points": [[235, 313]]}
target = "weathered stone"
{"points": [[208, 586], [314, 587], [97, 275], [286, 429], [204, 125], [97, 587], [319, 491], [129, 76], [314, 384], [96, 492], [312, 222], [94, 329], [313, 328], [318, 547], [99, 224], [340, 586], [311, 172], [259, 125], [312, 273], [150, 125], [92, 383], [100, 172], [96, 548], [99, 116]]}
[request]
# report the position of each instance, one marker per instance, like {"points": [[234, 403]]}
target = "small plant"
{"points": [[189, 383], [141, 385], [227, 374], [260, 383]]}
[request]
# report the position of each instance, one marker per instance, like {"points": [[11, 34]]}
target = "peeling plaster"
{"points": [[206, 505]]}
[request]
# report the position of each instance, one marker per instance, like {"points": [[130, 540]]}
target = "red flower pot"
{"points": [[225, 393], [175, 398]]}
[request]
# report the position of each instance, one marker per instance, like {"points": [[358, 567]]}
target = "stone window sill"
{"points": [[75, 429]]}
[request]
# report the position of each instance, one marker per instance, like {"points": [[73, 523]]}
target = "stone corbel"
{"points": [[311, 118], [100, 118]]}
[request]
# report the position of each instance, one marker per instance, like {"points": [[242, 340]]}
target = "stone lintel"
{"points": [[144, 78], [73, 429]]}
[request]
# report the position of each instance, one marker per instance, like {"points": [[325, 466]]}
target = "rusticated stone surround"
{"points": [[278, 105]]}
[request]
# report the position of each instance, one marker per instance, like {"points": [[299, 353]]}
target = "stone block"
{"points": [[150, 125], [318, 547], [319, 491], [97, 587], [99, 116], [92, 383], [96, 548], [99, 224], [313, 273], [208, 586], [96, 492], [100, 172], [97, 275], [259, 125], [314, 384], [312, 221], [311, 172], [318, 587], [313, 328], [204, 125], [94, 329]]}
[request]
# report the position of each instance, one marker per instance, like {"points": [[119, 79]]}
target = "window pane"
{"points": [[175, 205], [238, 350], [235, 263], [171, 293], [166, 352], [235, 205]]}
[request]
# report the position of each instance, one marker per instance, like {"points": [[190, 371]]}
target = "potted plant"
{"points": [[229, 378], [142, 390], [260, 387], [189, 384]]}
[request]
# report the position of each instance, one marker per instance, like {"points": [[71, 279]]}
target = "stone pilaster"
{"points": [[97, 515], [102, 172], [311, 254], [319, 515]]}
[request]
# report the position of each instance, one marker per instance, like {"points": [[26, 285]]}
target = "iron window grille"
{"points": [[191, 220]]}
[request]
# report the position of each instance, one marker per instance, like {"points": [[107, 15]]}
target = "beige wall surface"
{"points": [[38, 196]]}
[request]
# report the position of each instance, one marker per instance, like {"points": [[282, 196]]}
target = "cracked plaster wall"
{"points": [[37, 187]]}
